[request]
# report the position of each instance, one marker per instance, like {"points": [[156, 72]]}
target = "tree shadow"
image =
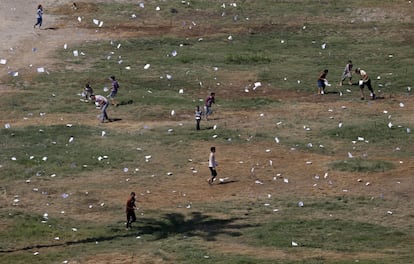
{"points": [[197, 225], [171, 224]]}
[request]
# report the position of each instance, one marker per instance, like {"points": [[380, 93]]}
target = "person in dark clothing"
{"points": [[207, 106], [322, 82], [130, 210]]}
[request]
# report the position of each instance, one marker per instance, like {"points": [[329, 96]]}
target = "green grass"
{"points": [[271, 45], [362, 165]]}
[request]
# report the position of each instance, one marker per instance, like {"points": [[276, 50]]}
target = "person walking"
{"points": [[212, 164], [130, 210], [365, 80], [103, 104], [347, 73], [207, 106], [114, 90], [321, 82], [39, 16], [198, 114]]}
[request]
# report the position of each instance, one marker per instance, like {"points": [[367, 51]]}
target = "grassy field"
{"points": [[305, 178]]}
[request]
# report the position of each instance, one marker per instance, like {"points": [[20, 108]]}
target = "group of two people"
{"points": [[210, 100], [101, 101], [131, 206], [364, 80]]}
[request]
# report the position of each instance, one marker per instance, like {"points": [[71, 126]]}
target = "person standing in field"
{"points": [[114, 90], [39, 16], [212, 164], [365, 80], [321, 82], [198, 114], [207, 106], [347, 73], [130, 210], [103, 104], [88, 92]]}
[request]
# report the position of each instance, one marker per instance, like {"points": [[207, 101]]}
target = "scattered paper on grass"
{"points": [[3, 61], [257, 85]]}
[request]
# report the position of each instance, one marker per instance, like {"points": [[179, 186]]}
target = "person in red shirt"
{"points": [[130, 210], [207, 106]]}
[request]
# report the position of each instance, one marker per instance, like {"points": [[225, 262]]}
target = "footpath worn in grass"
{"points": [[302, 178]]}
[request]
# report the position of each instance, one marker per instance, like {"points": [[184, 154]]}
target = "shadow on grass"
{"points": [[198, 225], [171, 224]]}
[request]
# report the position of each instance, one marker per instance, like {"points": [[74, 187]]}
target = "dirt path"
{"points": [[25, 48]]}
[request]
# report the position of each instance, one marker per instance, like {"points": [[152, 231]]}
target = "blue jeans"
{"points": [[104, 115], [39, 22]]}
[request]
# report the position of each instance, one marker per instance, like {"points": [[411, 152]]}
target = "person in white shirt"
{"points": [[347, 73], [365, 80], [198, 114], [212, 164], [39, 16], [103, 104]]}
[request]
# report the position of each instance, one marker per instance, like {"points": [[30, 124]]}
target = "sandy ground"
{"points": [[21, 45], [26, 48]]}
